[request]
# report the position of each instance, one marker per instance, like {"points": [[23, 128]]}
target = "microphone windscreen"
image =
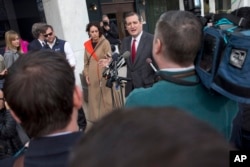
{"points": [[126, 54], [115, 56], [148, 60]]}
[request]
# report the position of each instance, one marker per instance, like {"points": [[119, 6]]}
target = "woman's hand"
{"points": [[106, 61], [87, 80]]}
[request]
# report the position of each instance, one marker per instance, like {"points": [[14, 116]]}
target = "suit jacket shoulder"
{"points": [[34, 45], [147, 35]]}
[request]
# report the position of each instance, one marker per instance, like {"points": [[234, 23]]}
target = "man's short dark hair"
{"points": [[181, 34], [147, 137], [39, 89], [130, 13], [45, 27]]}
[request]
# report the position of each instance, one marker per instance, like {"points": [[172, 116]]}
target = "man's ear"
{"points": [[12, 113], [158, 45], [77, 97]]}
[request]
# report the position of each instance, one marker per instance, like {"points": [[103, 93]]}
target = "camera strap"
{"points": [[179, 78]]}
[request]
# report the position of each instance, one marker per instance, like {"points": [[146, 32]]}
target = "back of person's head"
{"points": [[147, 137], [180, 33], [37, 29], [39, 90], [243, 12]]}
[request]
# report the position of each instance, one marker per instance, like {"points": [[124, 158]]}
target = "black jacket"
{"points": [[34, 45], [112, 35], [9, 138]]}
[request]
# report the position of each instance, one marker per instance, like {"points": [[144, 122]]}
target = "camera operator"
{"points": [[241, 125], [110, 32]]}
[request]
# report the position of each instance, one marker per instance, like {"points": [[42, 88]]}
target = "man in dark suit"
{"points": [[38, 41], [140, 45], [47, 112]]}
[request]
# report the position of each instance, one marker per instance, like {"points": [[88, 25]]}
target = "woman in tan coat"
{"points": [[97, 49]]}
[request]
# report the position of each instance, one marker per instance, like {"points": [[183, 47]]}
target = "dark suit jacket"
{"points": [[34, 45], [140, 72], [48, 151]]}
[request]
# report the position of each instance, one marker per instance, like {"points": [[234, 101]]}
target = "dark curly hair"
{"points": [[96, 24]]}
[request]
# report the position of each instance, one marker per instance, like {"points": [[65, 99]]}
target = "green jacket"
{"points": [[214, 109]]}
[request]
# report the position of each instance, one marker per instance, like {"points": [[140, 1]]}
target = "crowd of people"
{"points": [[164, 120]]}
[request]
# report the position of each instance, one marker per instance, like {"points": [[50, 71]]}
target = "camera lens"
{"points": [[105, 23]]}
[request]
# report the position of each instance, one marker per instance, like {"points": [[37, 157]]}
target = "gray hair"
{"points": [[37, 29]]}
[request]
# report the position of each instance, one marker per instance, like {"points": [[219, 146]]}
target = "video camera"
{"points": [[105, 23]]}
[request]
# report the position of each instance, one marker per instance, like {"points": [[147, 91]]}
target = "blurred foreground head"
{"points": [[151, 137], [40, 90]]}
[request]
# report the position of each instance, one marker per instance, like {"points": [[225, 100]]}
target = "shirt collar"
{"points": [[58, 134], [138, 38], [178, 69], [41, 42], [52, 44]]}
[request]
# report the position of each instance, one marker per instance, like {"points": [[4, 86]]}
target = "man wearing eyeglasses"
{"points": [[58, 45]]}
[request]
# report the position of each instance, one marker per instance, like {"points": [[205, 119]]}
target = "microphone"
{"points": [[121, 60], [117, 62], [126, 54], [149, 61]]}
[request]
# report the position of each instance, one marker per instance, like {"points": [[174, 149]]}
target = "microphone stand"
{"points": [[115, 75], [119, 84]]}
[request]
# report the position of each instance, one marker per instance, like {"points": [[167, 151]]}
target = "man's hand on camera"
{"points": [[106, 27]]}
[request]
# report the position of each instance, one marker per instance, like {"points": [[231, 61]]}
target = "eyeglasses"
{"points": [[49, 34], [2, 98]]}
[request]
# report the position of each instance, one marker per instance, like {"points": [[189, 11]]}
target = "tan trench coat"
{"points": [[99, 95]]}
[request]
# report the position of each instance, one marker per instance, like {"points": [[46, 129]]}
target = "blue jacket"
{"points": [[58, 46]]}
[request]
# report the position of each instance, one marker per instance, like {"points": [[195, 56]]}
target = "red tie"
{"points": [[133, 51]]}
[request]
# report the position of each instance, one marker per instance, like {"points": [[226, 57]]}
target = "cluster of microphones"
{"points": [[118, 61]]}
